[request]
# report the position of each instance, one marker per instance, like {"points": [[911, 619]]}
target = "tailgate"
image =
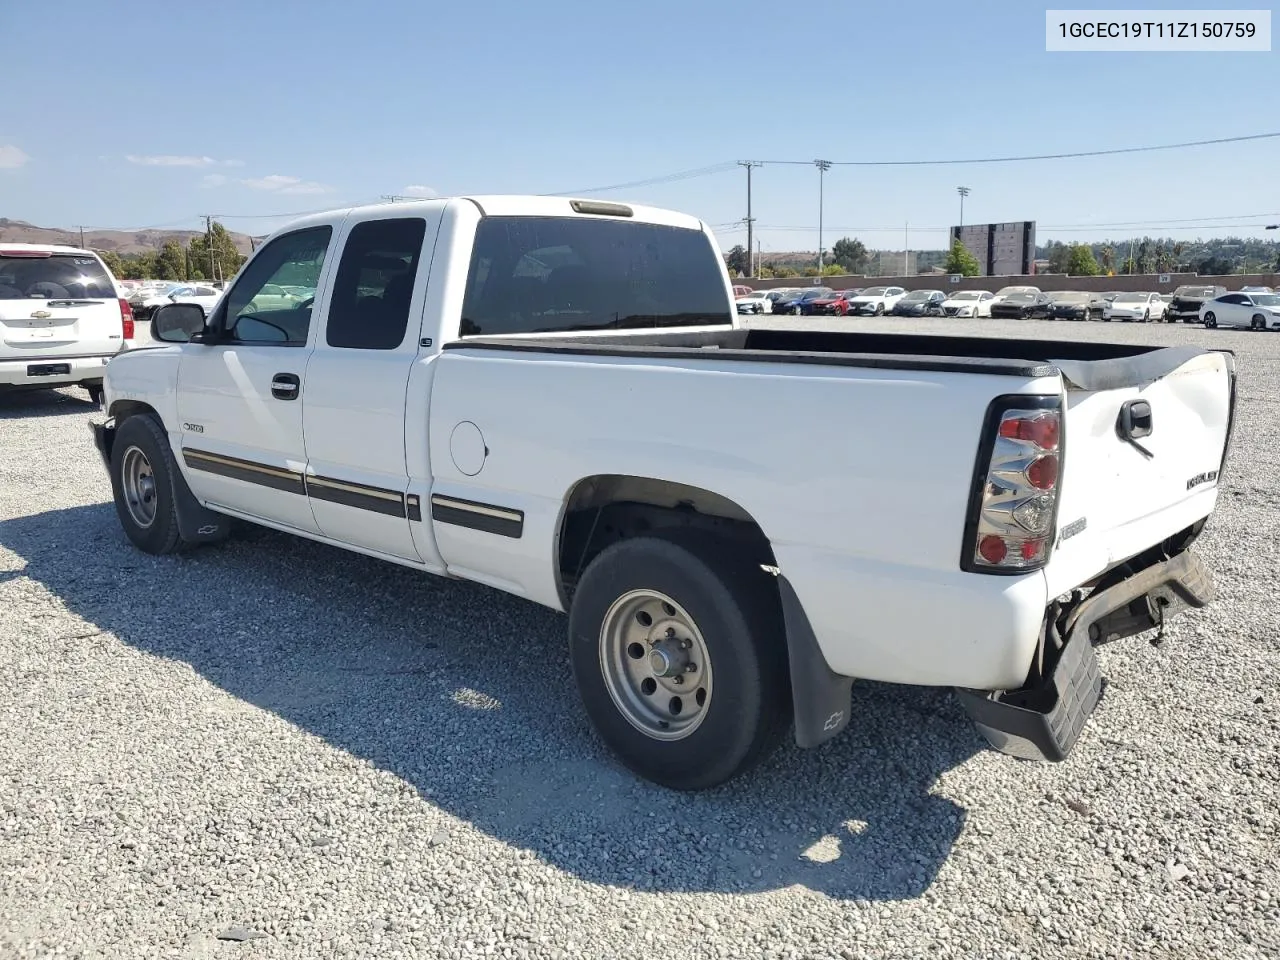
{"points": [[1124, 489], [57, 304]]}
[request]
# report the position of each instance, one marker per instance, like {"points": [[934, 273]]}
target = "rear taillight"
{"points": [[126, 319], [1013, 509]]}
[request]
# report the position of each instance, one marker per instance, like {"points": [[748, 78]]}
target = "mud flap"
{"points": [[821, 699]]}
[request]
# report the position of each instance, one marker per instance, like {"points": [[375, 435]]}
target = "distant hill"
{"points": [[122, 242]]}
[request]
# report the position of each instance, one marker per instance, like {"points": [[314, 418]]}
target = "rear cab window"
{"points": [[35, 275], [568, 274]]}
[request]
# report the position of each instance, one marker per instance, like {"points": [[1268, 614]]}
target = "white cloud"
{"points": [[179, 160], [212, 180], [279, 183], [418, 190], [11, 157]]}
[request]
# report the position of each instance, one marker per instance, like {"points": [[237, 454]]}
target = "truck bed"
{"points": [[985, 355]]}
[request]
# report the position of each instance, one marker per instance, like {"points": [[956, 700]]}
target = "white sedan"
{"points": [[1254, 311], [758, 301], [876, 300], [968, 303], [204, 296], [1135, 306]]}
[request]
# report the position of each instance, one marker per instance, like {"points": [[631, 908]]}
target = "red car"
{"points": [[741, 291], [836, 305]]}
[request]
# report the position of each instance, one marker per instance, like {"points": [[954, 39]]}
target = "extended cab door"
{"points": [[240, 395], [357, 379]]}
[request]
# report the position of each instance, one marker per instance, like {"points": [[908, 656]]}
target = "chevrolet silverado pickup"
{"points": [[557, 398]]}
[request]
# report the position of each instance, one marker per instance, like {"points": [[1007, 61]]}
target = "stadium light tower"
{"points": [[823, 166], [964, 192]]}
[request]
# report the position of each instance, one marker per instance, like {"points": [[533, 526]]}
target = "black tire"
{"points": [[879, 309], [146, 435], [736, 609], [95, 393], [1210, 320], [1259, 322], [795, 311], [1146, 316]]}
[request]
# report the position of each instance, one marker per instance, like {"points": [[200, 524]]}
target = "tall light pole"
{"points": [[823, 166], [750, 219], [964, 192]]}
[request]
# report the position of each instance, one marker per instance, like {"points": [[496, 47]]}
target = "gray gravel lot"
{"points": [[340, 758]]}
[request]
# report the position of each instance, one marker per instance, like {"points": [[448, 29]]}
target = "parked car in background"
{"points": [[755, 302], [968, 303], [1133, 305], [920, 303], [203, 295], [1188, 299], [802, 303], [1253, 311], [148, 296], [740, 290], [876, 301], [1076, 305], [1010, 291], [1165, 299], [62, 317], [1022, 305], [1250, 289], [835, 304]]}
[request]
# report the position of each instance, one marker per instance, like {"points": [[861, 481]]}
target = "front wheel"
{"points": [[680, 659], [1146, 316], [879, 309], [1210, 320], [142, 474], [1259, 322], [795, 311]]}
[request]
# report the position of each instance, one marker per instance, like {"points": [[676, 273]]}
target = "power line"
{"points": [[654, 181], [1038, 156]]}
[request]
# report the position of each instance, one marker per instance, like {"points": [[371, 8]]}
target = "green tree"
{"points": [[1128, 265], [112, 261], [785, 272], [226, 258], [1059, 256], [834, 270], [171, 264], [1109, 260], [138, 266], [961, 261], [850, 254], [1080, 262], [736, 260]]}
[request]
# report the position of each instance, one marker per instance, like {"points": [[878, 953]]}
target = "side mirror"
{"points": [[178, 323]]}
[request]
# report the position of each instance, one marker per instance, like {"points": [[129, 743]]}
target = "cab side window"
{"points": [[255, 314], [369, 309]]}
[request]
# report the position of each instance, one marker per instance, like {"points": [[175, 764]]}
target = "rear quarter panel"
{"points": [[859, 477]]}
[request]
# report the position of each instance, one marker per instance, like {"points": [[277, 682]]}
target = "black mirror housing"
{"points": [[178, 323]]}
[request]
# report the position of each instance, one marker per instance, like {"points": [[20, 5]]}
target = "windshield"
{"points": [[1020, 297], [1201, 292], [1009, 291], [919, 295], [874, 291], [1070, 297], [53, 277], [1266, 299], [816, 294], [1132, 298], [967, 295]]}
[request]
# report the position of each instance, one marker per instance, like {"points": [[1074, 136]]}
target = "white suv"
{"points": [[61, 317]]}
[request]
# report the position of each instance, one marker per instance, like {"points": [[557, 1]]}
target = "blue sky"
{"points": [[148, 114]]}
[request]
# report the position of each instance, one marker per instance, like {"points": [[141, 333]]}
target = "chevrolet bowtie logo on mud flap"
{"points": [[833, 721], [1200, 478]]}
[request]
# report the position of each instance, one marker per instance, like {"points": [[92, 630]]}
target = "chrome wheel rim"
{"points": [[655, 665], [138, 485]]}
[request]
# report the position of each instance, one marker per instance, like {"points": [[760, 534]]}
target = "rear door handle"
{"points": [[284, 386]]}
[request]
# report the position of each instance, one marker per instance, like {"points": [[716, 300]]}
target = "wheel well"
{"points": [[124, 409], [604, 509]]}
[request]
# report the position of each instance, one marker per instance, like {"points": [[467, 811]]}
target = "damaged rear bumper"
{"points": [[1043, 719]]}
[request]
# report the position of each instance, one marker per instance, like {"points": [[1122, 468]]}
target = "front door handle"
{"points": [[285, 386]]}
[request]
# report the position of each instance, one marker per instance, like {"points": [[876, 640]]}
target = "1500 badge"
{"points": [[1199, 478]]}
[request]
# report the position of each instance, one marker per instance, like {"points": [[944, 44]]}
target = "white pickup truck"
{"points": [[554, 397]]}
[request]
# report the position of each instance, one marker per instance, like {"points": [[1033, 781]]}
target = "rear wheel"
{"points": [[142, 469], [680, 659], [1146, 316], [795, 311], [1210, 320], [1259, 322], [879, 309]]}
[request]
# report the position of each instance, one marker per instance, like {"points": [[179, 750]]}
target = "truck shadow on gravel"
{"points": [[466, 694], [30, 404]]}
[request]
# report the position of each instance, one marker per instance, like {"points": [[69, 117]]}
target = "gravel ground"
{"points": [[318, 755]]}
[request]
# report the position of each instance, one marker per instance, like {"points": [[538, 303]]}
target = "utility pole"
{"points": [[208, 242], [760, 257], [81, 229], [748, 164], [906, 248], [823, 166]]}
